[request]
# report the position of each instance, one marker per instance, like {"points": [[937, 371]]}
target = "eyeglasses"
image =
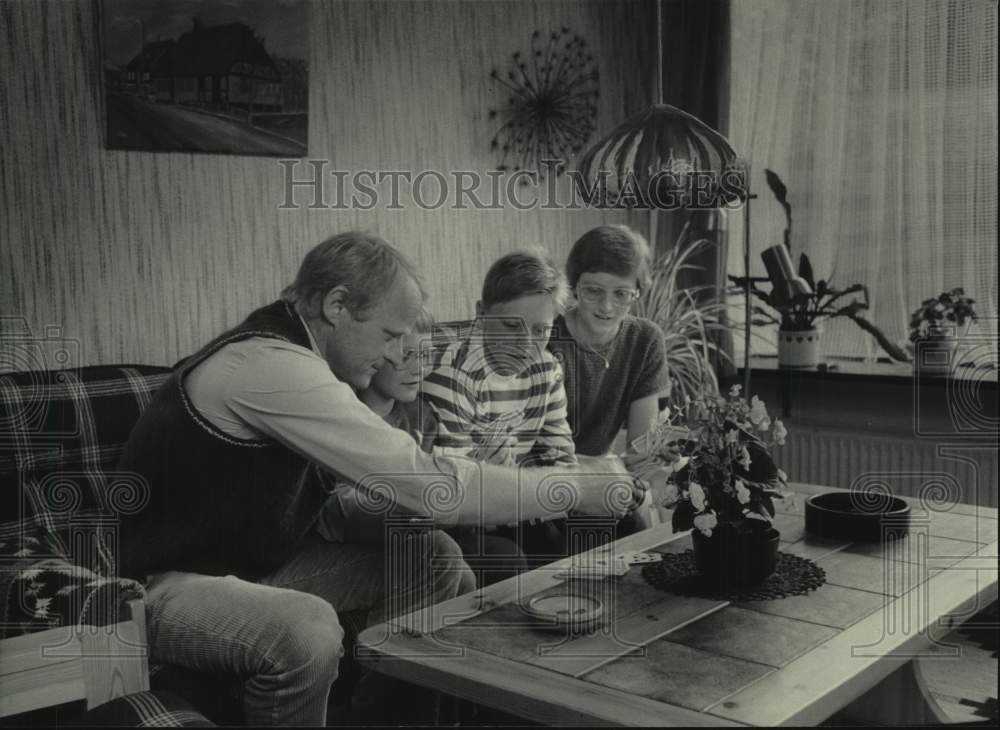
{"points": [[425, 356], [593, 294]]}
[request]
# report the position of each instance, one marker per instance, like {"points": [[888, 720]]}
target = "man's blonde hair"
{"points": [[364, 264]]}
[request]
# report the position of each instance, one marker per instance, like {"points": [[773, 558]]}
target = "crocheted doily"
{"points": [[793, 576]]}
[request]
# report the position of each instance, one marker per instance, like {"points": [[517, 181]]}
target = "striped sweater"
{"points": [[479, 409]]}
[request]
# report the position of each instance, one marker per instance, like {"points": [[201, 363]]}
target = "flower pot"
{"points": [[935, 355], [731, 561], [799, 348]]}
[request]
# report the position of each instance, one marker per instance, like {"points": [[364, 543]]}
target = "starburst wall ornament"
{"points": [[551, 105]]}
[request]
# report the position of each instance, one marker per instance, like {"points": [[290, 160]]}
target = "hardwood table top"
{"points": [[665, 659]]}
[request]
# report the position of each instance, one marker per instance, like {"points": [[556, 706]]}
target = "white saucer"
{"points": [[560, 611]]}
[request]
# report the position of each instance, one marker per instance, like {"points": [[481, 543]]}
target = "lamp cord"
{"points": [[654, 213], [747, 313], [654, 216], [658, 93]]}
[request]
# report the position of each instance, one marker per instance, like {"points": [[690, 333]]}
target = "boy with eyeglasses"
{"points": [[394, 391], [393, 394], [614, 363]]}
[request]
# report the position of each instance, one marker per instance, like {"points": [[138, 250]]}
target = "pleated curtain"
{"points": [[881, 118]]}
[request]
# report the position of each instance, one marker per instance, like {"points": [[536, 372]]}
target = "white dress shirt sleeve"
{"points": [[288, 393]]}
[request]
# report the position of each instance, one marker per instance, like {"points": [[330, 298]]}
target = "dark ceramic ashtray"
{"points": [[857, 516]]}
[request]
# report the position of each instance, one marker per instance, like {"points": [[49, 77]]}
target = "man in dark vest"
{"points": [[232, 449]]}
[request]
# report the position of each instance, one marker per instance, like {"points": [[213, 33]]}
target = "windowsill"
{"points": [[840, 368], [878, 397]]}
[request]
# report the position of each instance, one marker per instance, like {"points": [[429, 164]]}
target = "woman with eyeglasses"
{"points": [[614, 363]]}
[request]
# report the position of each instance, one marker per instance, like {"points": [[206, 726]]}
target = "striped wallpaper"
{"points": [[142, 257]]}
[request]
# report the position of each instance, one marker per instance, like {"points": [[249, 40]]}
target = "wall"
{"points": [[144, 256]]}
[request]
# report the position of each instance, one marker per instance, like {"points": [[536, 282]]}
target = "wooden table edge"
{"points": [[831, 698], [525, 690]]}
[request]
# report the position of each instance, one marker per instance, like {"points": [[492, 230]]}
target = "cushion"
{"points": [[39, 592], [61, 434], [80, 415]]}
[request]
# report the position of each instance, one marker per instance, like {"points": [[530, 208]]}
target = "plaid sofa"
{"points": [[61, 433]]}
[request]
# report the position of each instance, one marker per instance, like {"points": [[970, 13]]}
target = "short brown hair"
{"points": [[522, 274], [614, 250]]}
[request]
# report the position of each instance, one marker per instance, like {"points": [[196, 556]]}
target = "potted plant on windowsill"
{"points": [[710, 460], [933, 330], [799, 303]]}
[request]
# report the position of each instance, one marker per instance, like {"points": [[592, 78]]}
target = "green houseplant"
{"points": [[933, 330], [710, 460], [688, 317], [931, 318], [800, 315]]}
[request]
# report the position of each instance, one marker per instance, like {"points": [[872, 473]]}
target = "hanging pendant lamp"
{"points": [[666, 158], [663, 157]]}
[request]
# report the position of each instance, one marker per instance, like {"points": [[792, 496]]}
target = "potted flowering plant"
{"points": [[930, 318], [933, 328], [717, 472]]}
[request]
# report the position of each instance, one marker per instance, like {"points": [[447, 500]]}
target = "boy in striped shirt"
{"points": [[498, 393]]}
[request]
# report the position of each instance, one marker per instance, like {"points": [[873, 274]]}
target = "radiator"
{"points": [[908, 465]]}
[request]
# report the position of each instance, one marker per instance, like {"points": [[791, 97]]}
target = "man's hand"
{"points": [[606, 487]]}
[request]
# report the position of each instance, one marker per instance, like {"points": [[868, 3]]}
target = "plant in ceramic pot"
{"points": [[717, 472], [798, 303], [933, 328]]}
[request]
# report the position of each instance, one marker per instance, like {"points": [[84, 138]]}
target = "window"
{"points": [[881, 118]]}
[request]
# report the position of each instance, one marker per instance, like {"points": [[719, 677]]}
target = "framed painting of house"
{"points": [[206, 76]]}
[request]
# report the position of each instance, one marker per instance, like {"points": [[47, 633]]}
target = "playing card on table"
{"points": [[639, 558], [605, 566]]}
